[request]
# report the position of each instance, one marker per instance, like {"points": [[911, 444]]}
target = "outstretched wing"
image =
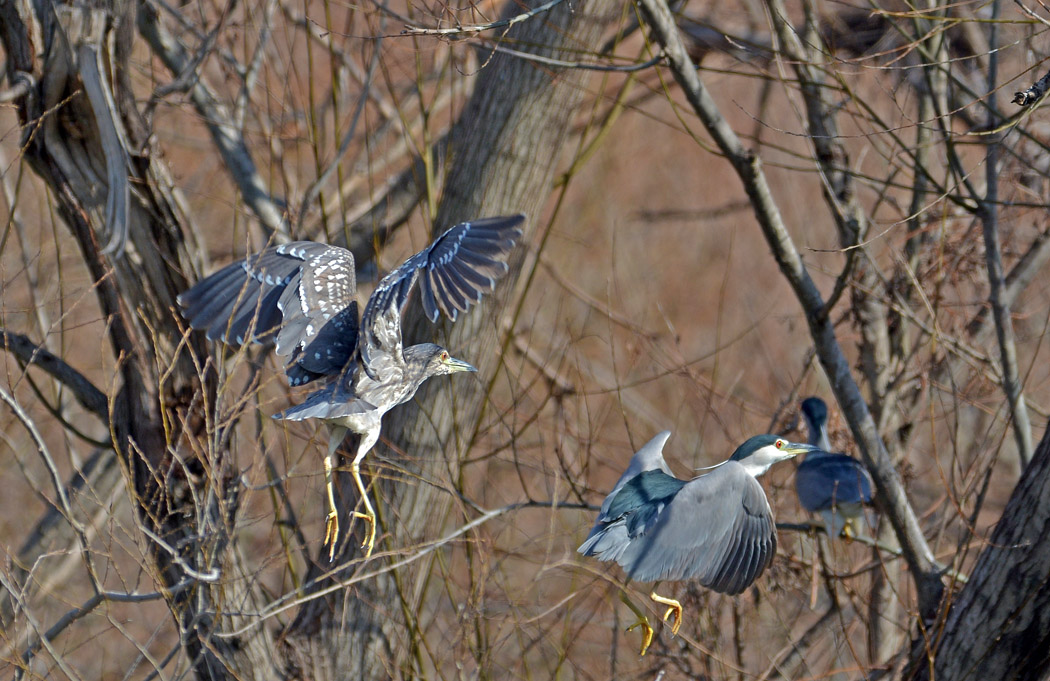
{"points": [[453, 273], [299, 296]]}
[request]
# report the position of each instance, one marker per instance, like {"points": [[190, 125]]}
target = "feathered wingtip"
{"points": [[465, 262]]}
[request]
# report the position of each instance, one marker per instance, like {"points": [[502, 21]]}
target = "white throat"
{"points": [[760, 461]]}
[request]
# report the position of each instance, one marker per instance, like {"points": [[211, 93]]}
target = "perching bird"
{"points": [[717, 529], [834, 485], [301, 297]]}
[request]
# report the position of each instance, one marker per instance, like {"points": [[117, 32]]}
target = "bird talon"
{"points": [[672, 612], [647, 634], [331, 533], [674, 609], [370, 532]]}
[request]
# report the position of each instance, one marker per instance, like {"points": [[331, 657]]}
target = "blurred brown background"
{"points": [[647, 299]]}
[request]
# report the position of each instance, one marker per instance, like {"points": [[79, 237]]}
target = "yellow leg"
{"points": [[814, 582], [674, 608], [369, 516], [331, 523], [647, 630], [851, 529]]}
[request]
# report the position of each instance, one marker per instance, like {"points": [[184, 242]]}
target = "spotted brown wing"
{"points": [[299, 296]]}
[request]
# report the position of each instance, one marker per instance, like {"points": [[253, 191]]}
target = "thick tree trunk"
{"points": [[84, 136], [998, 626]]}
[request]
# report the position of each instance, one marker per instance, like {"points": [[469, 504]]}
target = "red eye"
{"points": [[780, 443], [444, 356]]}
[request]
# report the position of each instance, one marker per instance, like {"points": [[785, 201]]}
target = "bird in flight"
{"points": [[301, 297], [717, 528]]}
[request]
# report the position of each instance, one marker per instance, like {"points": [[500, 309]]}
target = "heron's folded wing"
{"points": [[629, 512], [453, 273], [718, 529], [750, 545], [831, 479], [649, 458]]}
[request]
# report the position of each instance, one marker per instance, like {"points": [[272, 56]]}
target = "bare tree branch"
{"points": [[892, 497], [98, 477], [221, 124], [85, 392], [989, 214]]}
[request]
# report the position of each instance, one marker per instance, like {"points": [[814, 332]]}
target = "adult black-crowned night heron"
{"points": [[301, 297], [717, 529], [835, 485]]}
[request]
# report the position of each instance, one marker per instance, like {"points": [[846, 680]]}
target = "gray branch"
{"points": [[989, 215], [220, 123], [85, 392]]}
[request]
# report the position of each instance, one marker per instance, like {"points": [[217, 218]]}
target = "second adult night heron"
{"points": [[835, 485], [717, 529], [301, 296]]}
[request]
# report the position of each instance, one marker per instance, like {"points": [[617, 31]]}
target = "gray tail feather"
{"points": [[323, 404]]}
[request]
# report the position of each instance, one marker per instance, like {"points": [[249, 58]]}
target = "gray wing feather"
{"points": [[718, 530], [331, 402], [288, 295], [649, 458], [606, 542], [452, 272]]}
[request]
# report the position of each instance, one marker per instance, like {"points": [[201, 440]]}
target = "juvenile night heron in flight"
{"points": [[717, 529], [835, 485], [301, 297]]}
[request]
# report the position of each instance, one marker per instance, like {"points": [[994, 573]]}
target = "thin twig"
{"points": [[221, 124], [87, 607], [561, 63], [290, 601], [49, 462], [38, 627], [314, 189], [502, 23]]}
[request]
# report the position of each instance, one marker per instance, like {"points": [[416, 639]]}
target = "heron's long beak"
{"points": [[796, 448], [455, 365]]}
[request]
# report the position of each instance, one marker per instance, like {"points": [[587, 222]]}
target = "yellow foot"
{"points": [[647, 634], [674, 610], [370, 532], [331, 533]]}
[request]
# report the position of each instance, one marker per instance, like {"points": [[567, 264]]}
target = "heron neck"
{"points": [[415, 376], [818, 431], [756, 469], [387, 393]]}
